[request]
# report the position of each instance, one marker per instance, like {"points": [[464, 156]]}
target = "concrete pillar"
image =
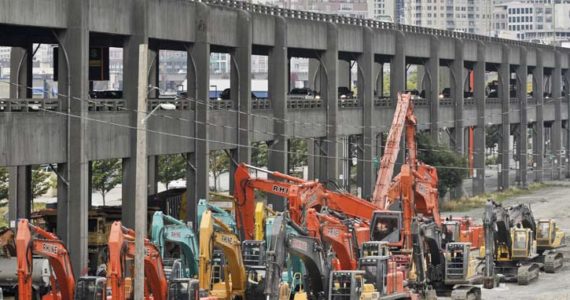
{"points": [[131, 58], [21, 75], [457, 92], [198, 170], [89, 184], [432, 70], [20, 192], [75, 41], [314, 76], [329, 164], [344, 75], [479, 95], [152, 174], [241, 87], [379, 72], [504, 94], [538, 95], [556, 134], [567, 134], [366, 90], [522, 74], [312, 158], [277, 85]]}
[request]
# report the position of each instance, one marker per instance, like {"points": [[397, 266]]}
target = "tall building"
{"points": [[472, 16], [350, 8], [384, 10]]}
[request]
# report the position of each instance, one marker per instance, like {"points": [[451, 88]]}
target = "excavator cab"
{"points": [[457, 260], [383, 273], [375, 248], [386, 226], [451, 230], [548, 235], [523, 245], [183, 289], [347, 285], [91, 288]]}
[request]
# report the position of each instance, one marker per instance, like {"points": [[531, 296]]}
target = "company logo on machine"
{"points": [[300, 245], [48, 248], [227, 239], [176, 234], [334, 232], [280, 189]]}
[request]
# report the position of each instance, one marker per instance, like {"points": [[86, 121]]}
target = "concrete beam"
{"points": [[538, 95], [432, 70], [21, 75], [366, 84], [277, 86], [504, 94], [556, 133], [199, 169], [522, 74], [479, 95]]}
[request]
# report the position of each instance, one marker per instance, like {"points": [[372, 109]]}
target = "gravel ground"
{"points": [[550, 202]]}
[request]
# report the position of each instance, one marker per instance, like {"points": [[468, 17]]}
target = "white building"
{"points": [[383, 10]]}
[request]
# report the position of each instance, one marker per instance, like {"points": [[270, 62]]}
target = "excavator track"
{"points": [[467, 292], [553, 262], [527, 273]]}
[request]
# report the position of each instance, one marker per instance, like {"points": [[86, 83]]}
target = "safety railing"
{"points": [[29, 104], [181, 104], [107, 104], [302, 103], [530, 101], [420, 102], [348, 102], [260, 104], [383, 102], [514, 100], [446, 102], [469, 101], [492, 101], [221, 104]]}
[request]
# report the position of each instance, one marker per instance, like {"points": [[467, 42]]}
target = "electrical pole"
{"points": [[141, 174]]}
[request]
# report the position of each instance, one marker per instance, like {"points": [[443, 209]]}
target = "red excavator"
{"points": [[47, 245], [121, 245], [301, 195]]}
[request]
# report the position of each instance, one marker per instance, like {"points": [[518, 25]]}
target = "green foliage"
{"points": [[106, 174], [451, 167], [171, 167], [259, 154], [297, 153], [40, 182], [3, 183], [492, 136], [219, 163]]}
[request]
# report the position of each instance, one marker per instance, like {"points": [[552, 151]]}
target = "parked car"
{"points": [[345, 92], [307, 93], [227, 95]]}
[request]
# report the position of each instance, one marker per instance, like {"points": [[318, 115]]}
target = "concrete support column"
{"points": [[20, 192], [567, 134], [366, 83], [479, 95], [397, 85], [556, 134], [432, 70], [240, 86], [379, 71], [312, 158], [329, 164], [21, 75], [62, 202], [504, 94], [277, 86], [538, 95], [314, 76], [152, 174], [75, 41], [199, 169], [344, 76], [457, 93], [522, 145]]}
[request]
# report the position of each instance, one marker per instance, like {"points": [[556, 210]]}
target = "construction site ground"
{"points": [[550, 202]]}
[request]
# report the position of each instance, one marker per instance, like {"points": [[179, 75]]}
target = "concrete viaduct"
{"points": [[48, 135]]}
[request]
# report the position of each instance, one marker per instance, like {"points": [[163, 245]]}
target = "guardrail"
{"points": [[338, 19], [348, 102], [181, 104], [107, 104], [296, 103], [420, 102], [515, 100], [383, 102], [492, 101], [30, 104], [221, 104], [260, 104], [469, 101], [530, 100], [446, 102]]}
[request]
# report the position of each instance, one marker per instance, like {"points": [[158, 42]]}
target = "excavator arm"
{"points": [[336, 233], [215, 233], [47, 245], [121, 247], [178, 233]]}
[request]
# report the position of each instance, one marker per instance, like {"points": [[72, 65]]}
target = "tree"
{"points": [[451, 167], [259, 154], [40, 182], [297, 154], [219, 163], [171, 167], [492, 137], [3, 183], [106, 174]]}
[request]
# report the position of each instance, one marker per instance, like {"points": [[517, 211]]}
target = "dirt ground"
{"points": [[550, 202]]}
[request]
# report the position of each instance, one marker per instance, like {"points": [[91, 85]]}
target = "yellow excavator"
{"points": [[216, 234]]}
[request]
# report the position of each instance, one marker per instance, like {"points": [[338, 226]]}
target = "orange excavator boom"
{"points": [[51, 247]]}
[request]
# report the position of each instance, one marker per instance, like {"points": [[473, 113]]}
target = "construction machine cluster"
{"points": [[326, 244]]}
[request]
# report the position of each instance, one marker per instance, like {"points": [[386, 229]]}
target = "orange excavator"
{"points": [[415, 188], [48, 245], [301, 196], [121, 245]]}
